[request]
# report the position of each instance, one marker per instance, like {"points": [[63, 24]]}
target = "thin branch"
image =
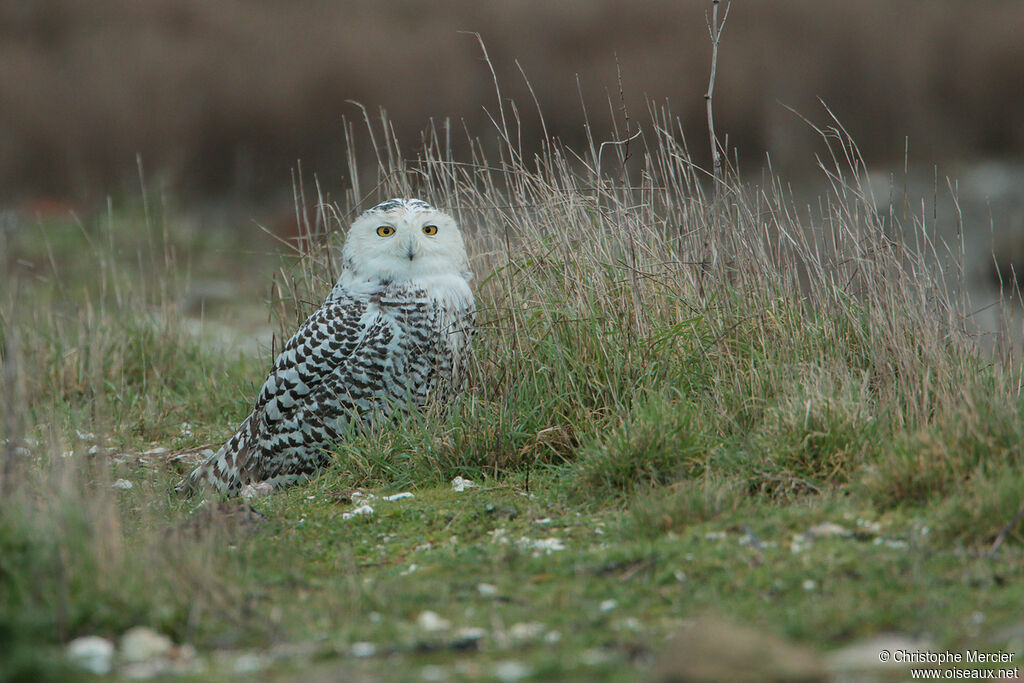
{"points": [[1001, 536], [715, 32]]}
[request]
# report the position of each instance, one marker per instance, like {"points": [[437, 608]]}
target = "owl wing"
{"points": [[320, 349], [324, 342]]}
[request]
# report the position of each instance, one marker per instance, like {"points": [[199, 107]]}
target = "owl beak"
{"points": [[411, 250]]}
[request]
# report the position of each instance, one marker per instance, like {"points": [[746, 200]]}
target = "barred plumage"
{"points": [[392, 335]]}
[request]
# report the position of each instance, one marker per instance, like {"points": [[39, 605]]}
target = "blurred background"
{"points": [[225, 97], [220, 101]]}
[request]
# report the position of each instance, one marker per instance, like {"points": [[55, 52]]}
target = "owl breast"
{"points": [[413, 351]]}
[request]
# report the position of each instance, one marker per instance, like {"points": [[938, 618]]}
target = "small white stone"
{"points": [[398, 496], [139, 644], [249, 663], [459, 484], [257, 491], [680, 576], [430, 621], [545, 545], [552, 637], [122, 484], [609, 605], [629, 624], [433, 673], [487, 589], [861, 657], [526, 630], [798, 544], [828, 529], [810, 584], [159, 450], [868, 525], [715, 535], [409, 570], [363, 649], [358, 512], [471, 633], [92, 653], [510, 671]]}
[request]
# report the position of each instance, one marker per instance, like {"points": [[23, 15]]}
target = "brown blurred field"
{"points": [[226, 96]]}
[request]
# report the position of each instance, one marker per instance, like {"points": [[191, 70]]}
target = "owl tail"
{"points": [[222, 471], [205, 479]]}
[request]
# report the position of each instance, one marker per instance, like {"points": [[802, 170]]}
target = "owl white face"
{"points": [[403, 240]]}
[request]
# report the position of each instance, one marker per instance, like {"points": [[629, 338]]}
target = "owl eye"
{"points": [[385, 231], [429, 229]]}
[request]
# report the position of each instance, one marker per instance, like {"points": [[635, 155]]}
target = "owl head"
{"points": [[404, 240]]}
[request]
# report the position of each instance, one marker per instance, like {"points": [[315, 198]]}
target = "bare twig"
{"points": [[11, 436], [715, 31], [1001, 536], [9, 361]]}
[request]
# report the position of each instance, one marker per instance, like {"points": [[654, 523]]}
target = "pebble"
{"points": [[140, 643], [257, 491], [459, 484], [363, 650], [863, 655], [472, 633], [92, 653], [828, 529], [545, 545], [530, 630], [433, 672], [249, 663], [360, 511], [430, 621], [510, 671]]}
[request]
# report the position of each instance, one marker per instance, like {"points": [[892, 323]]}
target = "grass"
{"points": [[671, 393]]}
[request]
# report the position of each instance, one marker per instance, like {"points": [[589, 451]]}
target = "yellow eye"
{"points": [[385, 231], [429, 229]]}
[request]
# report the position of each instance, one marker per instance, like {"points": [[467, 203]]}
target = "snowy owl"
{"points": [[393, 334]]}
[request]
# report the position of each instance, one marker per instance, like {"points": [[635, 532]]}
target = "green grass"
{"points": [[669, 393]]}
